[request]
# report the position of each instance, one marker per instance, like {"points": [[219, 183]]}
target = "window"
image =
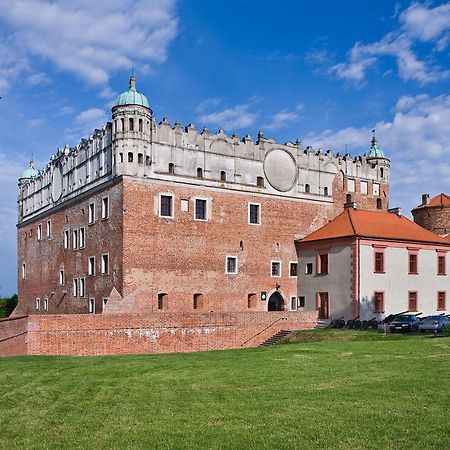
{"points": [[75, 287], [307, 188], [38, 304], [81, 286], [162, 301], [199, 172], [62, 278], [351, 185], [45, 304], [259, 181], [376, 189], [309, 268], [140, 158], [412, 301], [49, 228], [82, 237], [301, 302], [292, 269], [130, 157], [39, 232], [275, 269], [184, 205], [165, 206], [322, 264], [91, 265], [379, 262], [294, 303], [251, 301], [441, 265], [91, 213], [105, 264], [231, 265], [325, 191], [172, 168], [379, 203], [104, 301], [23, 271], [378, 303], [141, 125], [75, 239], [441, 301], [131, 124], [200, 209], [363, 187], [381, 172], [254, 216], [412, 263], [198, 301], [66, 240], [91, 306], [105, 207], [223, 176]]}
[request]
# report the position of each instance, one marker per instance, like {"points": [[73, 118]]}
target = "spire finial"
{"points": [[374, 139], [132, 81]]}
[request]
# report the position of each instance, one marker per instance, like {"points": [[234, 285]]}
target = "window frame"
{"points": [[91, 267], [39, 232], [24, 270], [413, 262], [37, 304], [91, 213], [91, 302], [320, 263], [381, 268], [46, 304], [292, 264], [443, 258], [413, 296], [351, 182], [172, 203], [105, 209], [66, 238], [376, 308], [229, 257], [81, 287], [75, 239], [206, 215], [439, 307], [293, 303], [49, 228], [249, 207], [62, 276], [299, 300], [75, 288], [275, 263], [307, 265], [103, 271], [82, 237]]}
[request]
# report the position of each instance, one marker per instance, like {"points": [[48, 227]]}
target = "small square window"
{"points": [[200, 209], [254, 213], [292, 269], [231, 265], [309, 268], [275, 269], [91, 265], [91, 213], [105, 264], [166, 205], [105, 208]]}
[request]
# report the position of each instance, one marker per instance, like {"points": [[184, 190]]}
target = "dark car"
{"points": [[404, 323], [434, 323]]}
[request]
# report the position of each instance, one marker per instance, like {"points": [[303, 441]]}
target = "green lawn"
{"points": [[367, 391]]}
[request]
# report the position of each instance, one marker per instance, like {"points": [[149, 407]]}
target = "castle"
{"points": [[144, 217]]}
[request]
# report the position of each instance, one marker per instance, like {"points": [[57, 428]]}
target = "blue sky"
{"points": [[325, 72]]}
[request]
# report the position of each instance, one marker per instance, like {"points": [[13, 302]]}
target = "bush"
{"points": [[7, 305]]}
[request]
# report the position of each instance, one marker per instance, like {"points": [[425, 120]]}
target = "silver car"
{"points": [[433, 323]]}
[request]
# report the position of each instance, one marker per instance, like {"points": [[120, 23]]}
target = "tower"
{"points": [[376, 157], [133, 126]]}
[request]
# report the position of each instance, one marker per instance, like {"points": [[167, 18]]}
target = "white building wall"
{"points": [[395, 282]]}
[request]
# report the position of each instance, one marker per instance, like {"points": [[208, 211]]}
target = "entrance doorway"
{"points": [[324, 305], [276, 302]]}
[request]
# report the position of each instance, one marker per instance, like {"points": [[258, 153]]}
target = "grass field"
{"points": [[332, 389]]}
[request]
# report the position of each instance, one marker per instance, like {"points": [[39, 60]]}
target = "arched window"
{"points": [[199, 172], [381, 172], [122, 123], [140, 158], [130, 156], [348, 198], [116, 126], [259, 181], [379, 203], [131, 124], [121, 157], [162, 301], [172, 168], [223, 176], [141, 125], [325, 191], [198, 301], [241, 245], [307, 189]]}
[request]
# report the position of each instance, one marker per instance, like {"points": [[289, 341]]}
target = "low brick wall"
{"points": [[82, 334], [13, 336]]}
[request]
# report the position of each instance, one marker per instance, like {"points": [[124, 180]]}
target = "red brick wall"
{"points": [[435, 219], [13, 336], [157, 332], [45, 257]]}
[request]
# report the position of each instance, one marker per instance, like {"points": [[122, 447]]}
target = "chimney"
{"points": [[425, 199], [397, 211], [350, 204]]}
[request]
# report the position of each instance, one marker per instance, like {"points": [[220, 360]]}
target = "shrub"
{"points": [[7, 305]]}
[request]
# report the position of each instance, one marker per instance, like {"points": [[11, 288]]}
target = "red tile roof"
{"points": [[374, 224], [440, 200]]}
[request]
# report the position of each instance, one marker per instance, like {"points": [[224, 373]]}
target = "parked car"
{"points": [[404, 323], [433, 323]]}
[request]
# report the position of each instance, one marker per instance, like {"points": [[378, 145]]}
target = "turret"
{"points": [[29, 173], [376, 157], [132, 130]]}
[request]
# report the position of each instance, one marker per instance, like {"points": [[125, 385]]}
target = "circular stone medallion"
{"points": [[280, 169], [57, 182]]}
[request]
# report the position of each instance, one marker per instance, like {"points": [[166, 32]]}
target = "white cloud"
{"points": [[415, 139], [282, 118], [38, 79], [34, 123], [231, 118], [90, 39], [207, 104], [417, 23], [85, 123]]}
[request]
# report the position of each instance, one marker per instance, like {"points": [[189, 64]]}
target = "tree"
{"points": [[7, 305]]}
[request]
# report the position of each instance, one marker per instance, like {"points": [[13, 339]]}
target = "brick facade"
{"points": [[13, 336]]}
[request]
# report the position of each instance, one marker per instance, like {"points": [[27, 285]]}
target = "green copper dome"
{"points": [[374, 151], [132, 96], [30, 172]]}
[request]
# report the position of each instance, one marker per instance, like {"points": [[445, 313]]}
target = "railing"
{"points": [[264, 329]]}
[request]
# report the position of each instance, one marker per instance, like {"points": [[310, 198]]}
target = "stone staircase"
{"points": [[322, 324], [275, 338]]}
